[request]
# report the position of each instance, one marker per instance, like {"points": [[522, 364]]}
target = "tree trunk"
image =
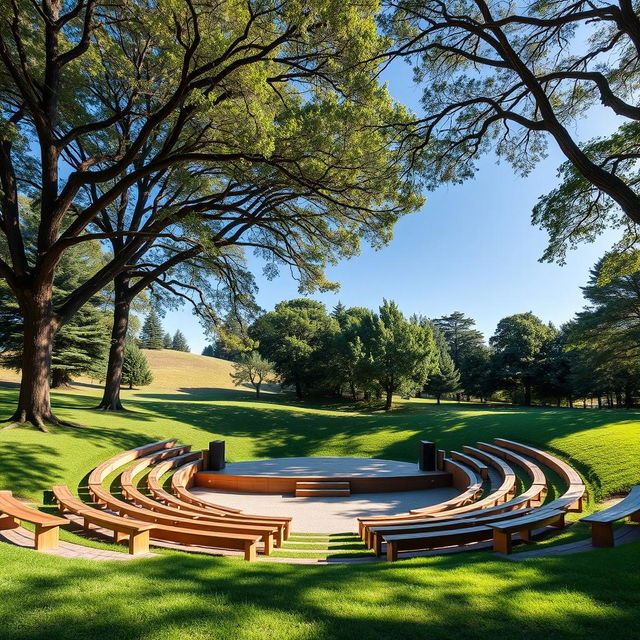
{"points": [[438, 398], [389, 400], [298, 390], [39, 330], [111, 395], [527, 395], [354, 395], [258, 389]]}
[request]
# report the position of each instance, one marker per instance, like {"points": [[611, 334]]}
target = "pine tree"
{"points": [[208, 351], [179, 342], [167, 342], [135, 368], [446, 378], [151, 336]]}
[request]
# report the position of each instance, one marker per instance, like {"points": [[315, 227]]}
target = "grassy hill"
{"points": [[179, 596]]}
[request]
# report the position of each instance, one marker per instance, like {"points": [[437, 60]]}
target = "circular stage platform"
{"points": [[280, 475]]}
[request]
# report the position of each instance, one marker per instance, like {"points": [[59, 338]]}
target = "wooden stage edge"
{"points": [[287, 484]]}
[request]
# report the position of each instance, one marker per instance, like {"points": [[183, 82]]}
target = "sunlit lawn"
{"points": [[180, 596]]}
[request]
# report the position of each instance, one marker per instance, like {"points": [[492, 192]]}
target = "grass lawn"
{"points": [[474, 595]]}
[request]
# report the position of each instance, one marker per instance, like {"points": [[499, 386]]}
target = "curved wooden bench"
{"points": [[523, 526], [192, 520], [480, 468], [433, 540], [572, 499], [602, 521], [47, 534], [464, 478], [210, 514], [137, 532], [538, 485], [429, 526]]}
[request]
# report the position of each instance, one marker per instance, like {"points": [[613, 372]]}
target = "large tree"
{"points": [[102, 101], [402, 353], [296, 336], [519, 344], [445, 378], [512, 77]]}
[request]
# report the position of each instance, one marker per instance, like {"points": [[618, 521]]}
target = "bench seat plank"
{"points": [[602, 521]]}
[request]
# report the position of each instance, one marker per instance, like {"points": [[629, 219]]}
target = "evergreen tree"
{"points": [[135, 367], [208, 351], [151, 336], [179, 342], [446, 378], [167, 342]]}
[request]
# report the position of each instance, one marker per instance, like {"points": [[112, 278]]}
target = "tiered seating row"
{"points": [[495, 517]]}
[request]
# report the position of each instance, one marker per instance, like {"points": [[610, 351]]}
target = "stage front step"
{"points": [[322, 488]]}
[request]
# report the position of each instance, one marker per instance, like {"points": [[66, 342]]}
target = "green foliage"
{"points": [[208, 351], [253, 368], [167, 341], [152, 336], [135, 368], [445, 378], [294, 337], [402, 354], [519, 344], [179, 342]]}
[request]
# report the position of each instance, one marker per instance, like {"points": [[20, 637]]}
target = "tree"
{"points": [[519, 345], [445, 378], [402, 354], [208, 351], [80, 346], [135, 369], [151, 336], [295, 337], [252, 368], [130, 138], [179, 342], [513, 77], [167, 341], [476, 374], [462, 339]]}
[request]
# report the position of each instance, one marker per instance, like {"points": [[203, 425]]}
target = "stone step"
{"points": [[322, 489], [323, 484]]}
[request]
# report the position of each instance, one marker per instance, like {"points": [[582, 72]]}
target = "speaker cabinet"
{"points": [[216, 455], [427, 455]]}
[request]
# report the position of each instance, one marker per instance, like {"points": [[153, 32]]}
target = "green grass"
{"points": [[180, 596]]}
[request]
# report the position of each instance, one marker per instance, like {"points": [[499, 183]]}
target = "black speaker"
{"points": [[216, 455], [427, 455]]}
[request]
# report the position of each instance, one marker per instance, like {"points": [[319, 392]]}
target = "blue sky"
{"points": [[471, 248]]}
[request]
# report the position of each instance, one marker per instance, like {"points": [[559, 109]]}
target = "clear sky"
{"points": [[471, 248]]}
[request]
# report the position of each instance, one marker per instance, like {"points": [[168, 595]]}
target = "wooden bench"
{"points": [[377, 533], [573, 497], [47, 534], [433, 540], [602, 522], [479, 467], [136, 532], [523, 526]]}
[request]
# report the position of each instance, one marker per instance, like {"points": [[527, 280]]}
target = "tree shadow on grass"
{"points": [[25, 467], [182, 596]]}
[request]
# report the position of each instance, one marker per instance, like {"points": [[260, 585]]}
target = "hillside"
{"points": [[172, 371]]}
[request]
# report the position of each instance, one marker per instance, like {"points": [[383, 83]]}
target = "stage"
{"points": [[280, 475]]}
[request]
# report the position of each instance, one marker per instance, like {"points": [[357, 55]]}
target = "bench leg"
{"points": [[635, 517], [46, 537], [287, 530], [279, 536], [525, 535], [559, 523], [250, 551], [377, 544], [139, 543], [268, 544], [602, 534], [7, 522], [118, 537], [392, 551], [502, 542]]}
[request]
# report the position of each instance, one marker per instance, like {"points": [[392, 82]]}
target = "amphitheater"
{"points": [[491, 496]]}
